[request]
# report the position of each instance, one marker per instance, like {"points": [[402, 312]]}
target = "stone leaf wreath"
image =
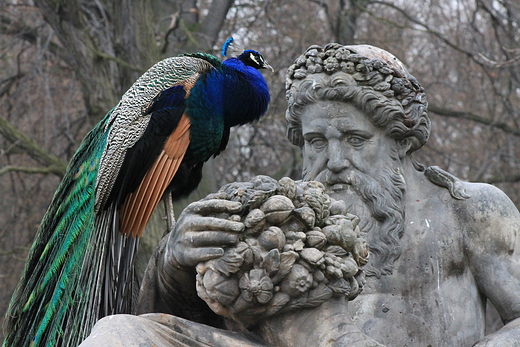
{"points": [[299, 248]]}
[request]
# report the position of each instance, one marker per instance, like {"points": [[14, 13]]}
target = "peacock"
{"points": [[153, 144]]}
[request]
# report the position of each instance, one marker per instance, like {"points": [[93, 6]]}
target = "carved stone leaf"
{"points": [[264, 187], [319, 295], [244, 250], [277, 303], [265, 183], [306, 215], [340, 287], [287, 260], [312, 256], [272, 262], [296, 303], [249, 259], [292, 227], [355, 288], [349, 267], [257, 254], [335, 250], [241, 304], [229, 263], [314, 197], [298, 245], [287, 187], [241, 247], [256, 199], [360, 252]]}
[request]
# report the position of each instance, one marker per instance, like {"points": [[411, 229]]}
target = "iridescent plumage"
{"points": [[154, 142]]}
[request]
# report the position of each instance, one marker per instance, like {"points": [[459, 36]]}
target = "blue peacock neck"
{"points": [[246, 94]]}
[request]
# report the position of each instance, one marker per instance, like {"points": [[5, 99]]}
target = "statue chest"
{"points": [[431, 298]]}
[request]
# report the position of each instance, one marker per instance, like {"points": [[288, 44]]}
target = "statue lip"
{"points": [[336, 183], [337, 187]]}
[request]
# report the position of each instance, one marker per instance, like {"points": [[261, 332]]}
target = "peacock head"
{"points": [[248, 57], [254, 59]]}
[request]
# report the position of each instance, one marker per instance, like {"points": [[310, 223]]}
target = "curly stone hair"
{"points": [[371, 78]]}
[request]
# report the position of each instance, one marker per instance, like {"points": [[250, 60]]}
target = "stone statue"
{"points": [[439, 247]]}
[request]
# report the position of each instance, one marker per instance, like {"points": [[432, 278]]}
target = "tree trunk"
{"points": [[106, 56]]}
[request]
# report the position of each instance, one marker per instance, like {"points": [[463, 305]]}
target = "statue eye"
{"points": [[356, 141], [318, 143]]}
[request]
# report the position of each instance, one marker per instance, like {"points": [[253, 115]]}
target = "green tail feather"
{"points": [[51, 294]]}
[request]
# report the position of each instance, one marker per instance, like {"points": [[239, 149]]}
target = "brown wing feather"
{"points": [[139, 205]]}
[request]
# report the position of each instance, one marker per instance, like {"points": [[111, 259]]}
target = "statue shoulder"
{"points": [[484, 211], [487, 199], [491, 220]]}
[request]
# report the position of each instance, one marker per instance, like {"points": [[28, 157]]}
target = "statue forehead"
{"points": [[324, 116]]}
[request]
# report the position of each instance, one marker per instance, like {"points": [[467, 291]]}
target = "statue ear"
{"points": [[403, 145]]}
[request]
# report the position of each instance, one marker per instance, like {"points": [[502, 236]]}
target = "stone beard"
{"points": [[378, 202]]}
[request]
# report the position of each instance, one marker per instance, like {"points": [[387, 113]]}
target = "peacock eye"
{"points": [[254, 58]]}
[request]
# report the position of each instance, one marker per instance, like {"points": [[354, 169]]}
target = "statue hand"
{"points": [[198, 237]]}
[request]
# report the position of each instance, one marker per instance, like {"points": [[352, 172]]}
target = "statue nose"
{"points": [[337, 160]]}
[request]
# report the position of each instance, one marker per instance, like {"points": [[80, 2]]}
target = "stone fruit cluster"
{"points": [[298, 249]]}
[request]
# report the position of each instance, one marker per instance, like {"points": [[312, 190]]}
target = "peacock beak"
{"points": [[267, 66]]}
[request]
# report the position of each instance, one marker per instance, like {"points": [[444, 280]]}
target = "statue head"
{"points": [[368, 77], [356, 113]]}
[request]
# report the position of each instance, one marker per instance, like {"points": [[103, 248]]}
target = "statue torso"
{"points": [[431, 299]]}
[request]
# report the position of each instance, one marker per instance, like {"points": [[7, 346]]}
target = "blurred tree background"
{"points": [[65, 63]]}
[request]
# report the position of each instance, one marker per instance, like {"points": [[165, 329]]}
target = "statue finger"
{"points": [[211, 238], [198, 223], [205, 207], [198, 255]]}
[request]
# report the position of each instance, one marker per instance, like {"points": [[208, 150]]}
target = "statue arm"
{"points": [[493, 251]]}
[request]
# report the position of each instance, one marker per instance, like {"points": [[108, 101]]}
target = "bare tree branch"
{"points": [[30, 170], [15, 252], [473, 117], [54, 164], [499, 64], [503, 178], [425, 26]]}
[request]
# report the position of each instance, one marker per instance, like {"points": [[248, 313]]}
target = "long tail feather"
{"points": [[60, 295]]}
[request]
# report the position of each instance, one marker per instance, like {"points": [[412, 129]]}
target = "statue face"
{"points": [[339, 139]]}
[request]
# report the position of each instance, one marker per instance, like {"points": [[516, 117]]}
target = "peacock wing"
{"points": [[139, 205], [146, 171], [131, 117]]}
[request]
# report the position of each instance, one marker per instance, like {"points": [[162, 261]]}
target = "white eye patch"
{"points": [[257, 59]]}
